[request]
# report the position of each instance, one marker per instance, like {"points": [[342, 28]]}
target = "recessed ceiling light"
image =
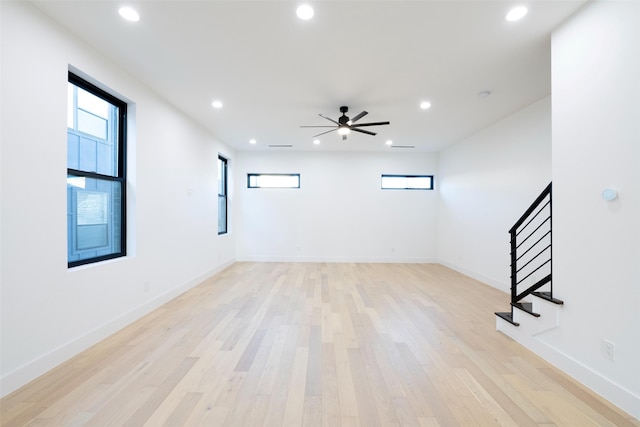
{"points": [[389, 142], [252, 141], [516, 13], [216, 104], [129, 14], [304, 12], [425, 105], [316, 141]]}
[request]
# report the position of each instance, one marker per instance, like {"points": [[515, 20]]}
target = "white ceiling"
{"points": [[275, 72]]}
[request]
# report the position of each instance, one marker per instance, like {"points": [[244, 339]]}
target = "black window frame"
{"points": [[121, 171], [225, 189], [249, 175], [382, 176]]}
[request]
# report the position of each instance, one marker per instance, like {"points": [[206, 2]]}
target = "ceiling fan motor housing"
{"points": [[343, 120]]}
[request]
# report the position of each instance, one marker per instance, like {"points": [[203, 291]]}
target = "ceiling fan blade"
{"points": [[371, 124], [359, 116], [323, 133], [362, 131], [331, 120], [317, 127]]}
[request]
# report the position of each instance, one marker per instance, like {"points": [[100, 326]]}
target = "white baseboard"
{"points": [[503, 286], [32, 370], [412, 260]]}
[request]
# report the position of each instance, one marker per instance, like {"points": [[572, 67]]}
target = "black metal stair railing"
{"points": [[531, 257]]}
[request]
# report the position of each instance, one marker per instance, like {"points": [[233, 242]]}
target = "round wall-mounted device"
{"points": [[609, 194]]}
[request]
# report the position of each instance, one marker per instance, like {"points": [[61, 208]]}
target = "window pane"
{"points": [[222, 214], [222, 178], [274, 180], [92, 207], [222, 195], [94, 217], [407, 182], [92, 133], [92, 124], [92, 236], [93, 104], [70, 106]]}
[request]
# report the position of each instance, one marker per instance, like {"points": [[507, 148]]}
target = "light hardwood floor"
{"points": [[293, 344]]}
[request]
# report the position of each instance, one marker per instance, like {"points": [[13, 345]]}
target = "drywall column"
{"points": [[596, 145]]}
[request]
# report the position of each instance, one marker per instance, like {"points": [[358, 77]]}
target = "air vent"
{"points": [[280, 145], [403, 146]]}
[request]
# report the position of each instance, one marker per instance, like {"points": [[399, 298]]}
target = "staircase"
{"points": [[531, 269]]}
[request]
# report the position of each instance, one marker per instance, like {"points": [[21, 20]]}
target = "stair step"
{"points": [[526, 307], [508, 317], [547, 296]]}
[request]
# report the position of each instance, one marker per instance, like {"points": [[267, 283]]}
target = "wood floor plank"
{"points": [[367, 410], [406, 416], [314, 344], [294, 408], [492, 408], [330, 393], [482, 383], [241, 405], [437, 402], [271, 368], [251, 350], [280, 389], [145, 410], [183, 411], [346, 390], [257, 409], [410, 386]]}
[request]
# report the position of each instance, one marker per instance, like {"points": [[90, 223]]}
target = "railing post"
{"points": [[551, 239], [514, 269]]}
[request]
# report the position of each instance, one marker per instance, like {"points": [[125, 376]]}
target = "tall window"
{"points": [[222, 195], [96, 131]]}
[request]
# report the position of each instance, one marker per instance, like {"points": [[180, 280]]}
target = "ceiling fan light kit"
{"points": [[344, 125]]}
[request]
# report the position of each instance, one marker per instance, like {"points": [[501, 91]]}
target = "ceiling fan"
{"points": [[345, 125]]}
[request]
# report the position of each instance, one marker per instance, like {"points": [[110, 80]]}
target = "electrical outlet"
{"points": [[146, 286], [608, 349]]}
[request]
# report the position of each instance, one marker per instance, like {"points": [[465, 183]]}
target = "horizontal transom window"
{"points": [[407, 182], [273, 180]]}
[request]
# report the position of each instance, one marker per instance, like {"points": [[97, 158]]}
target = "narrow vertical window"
{"points": [[222, 195], [96, 182]]}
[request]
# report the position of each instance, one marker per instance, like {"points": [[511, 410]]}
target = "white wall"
{"points": [[487, 181], [50, 312], [339, 213], [596, 144]]}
